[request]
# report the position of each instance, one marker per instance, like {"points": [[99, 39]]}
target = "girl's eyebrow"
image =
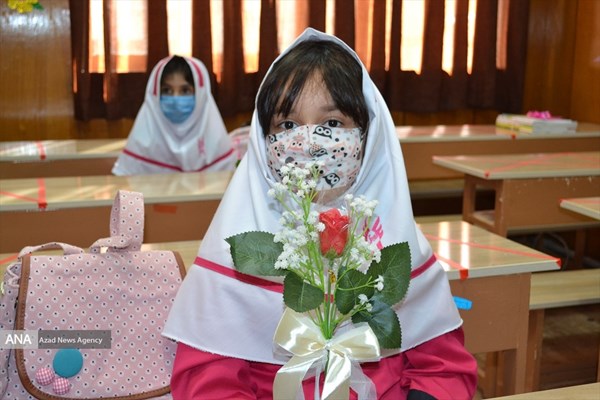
{"points": [[330, 107]]}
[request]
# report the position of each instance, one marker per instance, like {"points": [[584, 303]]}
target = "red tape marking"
{"points": [[41, 199], [42, 150], [495, 248]]}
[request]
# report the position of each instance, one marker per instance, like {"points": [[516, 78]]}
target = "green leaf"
{"points": [[395, 268], [346, 294], [255, 253], [384, 322], [299, 295]]}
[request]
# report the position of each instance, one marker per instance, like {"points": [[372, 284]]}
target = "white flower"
{"points": [[313, 217], [362, 298], [379, 283], [375, 252]]}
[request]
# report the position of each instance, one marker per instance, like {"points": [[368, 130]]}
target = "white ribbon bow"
{"points": [[299, 335]]}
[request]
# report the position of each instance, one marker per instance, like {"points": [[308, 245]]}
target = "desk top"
{"points": [[60, 149], [467, 250], [520, 166], [462, 249], [24, 194], [588, 206], [458, 133], [95, 191], [579, 392]]}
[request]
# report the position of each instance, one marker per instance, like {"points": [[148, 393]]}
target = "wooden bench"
{"points": [[555, 290], [579, 392], [549, 290]]}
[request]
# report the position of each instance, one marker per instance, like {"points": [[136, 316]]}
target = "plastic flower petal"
{"points": [[335, 235]]}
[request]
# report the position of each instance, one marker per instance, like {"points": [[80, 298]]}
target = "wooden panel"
{"points": [[585, 101], [551, 40], [35, 73]]}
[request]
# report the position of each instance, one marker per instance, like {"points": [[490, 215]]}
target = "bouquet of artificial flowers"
{"points": [[334, 276]]}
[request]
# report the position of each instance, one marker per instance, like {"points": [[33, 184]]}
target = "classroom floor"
{"points": [[570, 347]]}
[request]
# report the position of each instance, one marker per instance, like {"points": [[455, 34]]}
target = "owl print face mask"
{"points": [[339, 149]]}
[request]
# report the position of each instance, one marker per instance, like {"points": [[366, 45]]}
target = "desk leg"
{"points": [[534, 350], [579, 248], [492, 220], [469, 199], [488, 381], [598, 367]]}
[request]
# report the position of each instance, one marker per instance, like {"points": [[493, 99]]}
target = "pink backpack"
{"points": [[97, 317]]}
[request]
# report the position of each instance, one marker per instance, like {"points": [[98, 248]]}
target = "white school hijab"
{"points": [[220, 314], [156, 145]]}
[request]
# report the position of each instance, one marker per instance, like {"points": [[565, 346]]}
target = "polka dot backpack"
{"points": [[87, 325]]}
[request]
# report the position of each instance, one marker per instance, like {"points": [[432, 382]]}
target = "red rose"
{"points": [[334, 236]]}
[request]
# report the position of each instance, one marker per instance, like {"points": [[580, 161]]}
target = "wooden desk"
{"points": [[528, 188], [179, 206], [490, 267], [51, 158], [498, 275], [421, 143], [588, 206], [580, 392]]}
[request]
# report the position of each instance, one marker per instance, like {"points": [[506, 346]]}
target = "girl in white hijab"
{"points": [[179, 127], [225, 321]]}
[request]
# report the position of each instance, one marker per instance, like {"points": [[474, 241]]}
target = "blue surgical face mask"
{"points": [[177, 108]]}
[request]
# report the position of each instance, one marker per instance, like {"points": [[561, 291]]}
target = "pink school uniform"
{"points": [[157, 145], [224, 323]]}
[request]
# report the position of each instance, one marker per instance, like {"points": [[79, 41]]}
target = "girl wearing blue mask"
{"points": [[179, 127]]}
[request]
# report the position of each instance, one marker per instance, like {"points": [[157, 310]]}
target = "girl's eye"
{"points": [[187, 90], [332, 123], [166, 90], [287, 125]]}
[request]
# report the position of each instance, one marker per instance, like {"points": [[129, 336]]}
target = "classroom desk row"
{"points": [[419, 144], [492, 272], [179, 206], [529, 189]]}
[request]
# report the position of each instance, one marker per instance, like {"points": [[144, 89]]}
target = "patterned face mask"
{"points": [[338, 148]]}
